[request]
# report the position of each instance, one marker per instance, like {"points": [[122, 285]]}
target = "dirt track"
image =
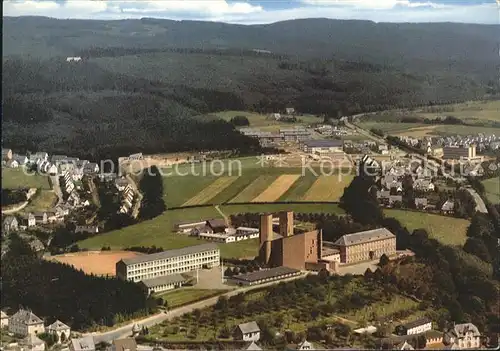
{"points": [[96, 262]]}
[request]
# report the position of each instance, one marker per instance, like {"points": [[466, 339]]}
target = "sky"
{"points": [[263, 11]]}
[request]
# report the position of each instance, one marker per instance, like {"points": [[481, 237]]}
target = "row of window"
{"points": [[164, 266], [175, 259]]}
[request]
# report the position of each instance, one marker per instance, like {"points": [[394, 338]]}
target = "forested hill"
{"points": [[306, 38], [141, 82]]}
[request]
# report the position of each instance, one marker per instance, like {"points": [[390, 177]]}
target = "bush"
{"points": [[240, 121]]}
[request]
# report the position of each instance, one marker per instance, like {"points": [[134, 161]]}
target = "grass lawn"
{"points": [[13, 178], [43, 200], [178, 190], [471, 110], [183, 296], [159, 231], [211, 191], [492, 187], [418, 129], [448, 230]]}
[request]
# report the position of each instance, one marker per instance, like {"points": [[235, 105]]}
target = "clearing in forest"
{"points": [[277, 188]]}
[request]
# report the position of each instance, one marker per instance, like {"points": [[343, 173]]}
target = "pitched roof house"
{"points": [[10, 224], [6, 154], [248, 331], [218, 225], [463, 336], [420, 202], [448, 206], [82, 344], [127, 344], [60, 329], [253, 347], [25, 322]]}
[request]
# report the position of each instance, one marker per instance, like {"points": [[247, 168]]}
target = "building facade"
{"points": [[60, 329], [367, 245], [459, 152], [168, 262], [25, 322], [414, 327], [160, 284]]}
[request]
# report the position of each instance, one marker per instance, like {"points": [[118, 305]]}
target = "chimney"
{"points": [[265, 237], [286, 223]]}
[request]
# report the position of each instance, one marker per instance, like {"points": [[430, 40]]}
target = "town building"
{"points": [[40, 217], [294, 134], [60, 329], [126, 344], [4, 319], [459, 152], [217, 225], [248, 331], [168, 262], [21, 160], [264, 276], [91, 229], [32, 343], [85, 343], [302, 346], [10, 224], [448, 207], [367, 245], [463, 336], [188, 226], [159, 284], [321, 147], [414, 327], [25, 322]]}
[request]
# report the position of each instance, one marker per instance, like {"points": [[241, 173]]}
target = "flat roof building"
{"points": [[322, 146], [265, 276], [168, 262], [164, 283]]}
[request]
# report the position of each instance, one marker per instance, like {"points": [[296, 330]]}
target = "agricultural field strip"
{"points": [[211, 191], [277, 188], [327, 188], [254, 189]]}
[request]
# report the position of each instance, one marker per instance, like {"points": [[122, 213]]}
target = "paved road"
{"points": [[480, 205], [125, 331], [16, 209]]}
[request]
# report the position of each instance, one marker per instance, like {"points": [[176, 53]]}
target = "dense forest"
{"points": [[58, 291], [147, 85]]}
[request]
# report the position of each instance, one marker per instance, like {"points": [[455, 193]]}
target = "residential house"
{"points": [[463, 336], [290, 110], [433, 337], [52, 217], [253, 347], [218, 225], [32, 343], [248, 331], [121, 183], [47, 168], [137, 156], [4, 319], [127, 344], [91, 168], [40, 217], [421, 203], [61, 211], [73, 199], [35, 243], [423, 185], [37, 157], [85, 343], [304, 345], [414, 327], [448, 207], [276, 116], [383, 196], [12, 164], [6, 154], [10, 224], [60, 329], [92, 229], [28, 220], [22, 160], [25, 322]]}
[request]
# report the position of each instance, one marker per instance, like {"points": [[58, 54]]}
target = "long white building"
{"points": [[168, 262]]}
